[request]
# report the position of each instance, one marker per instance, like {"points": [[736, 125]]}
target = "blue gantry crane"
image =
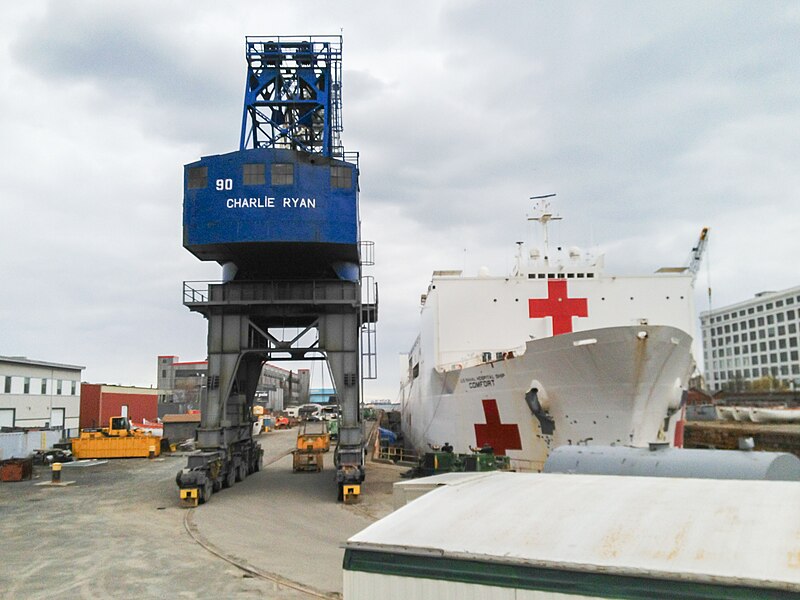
{"points": [[281, 217]]}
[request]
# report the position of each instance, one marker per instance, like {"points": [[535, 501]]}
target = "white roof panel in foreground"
{"points": [[724, 532]]}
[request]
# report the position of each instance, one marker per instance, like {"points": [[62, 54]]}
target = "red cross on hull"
{"points": [[500, 436], [558, 307]]}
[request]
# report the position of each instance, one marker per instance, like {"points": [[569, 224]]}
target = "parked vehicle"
{"points": [[330, 412], [312, 440], [310, 412]]}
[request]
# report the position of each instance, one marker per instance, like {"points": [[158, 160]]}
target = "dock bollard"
{"points": [[152, 453], [56, 473]]}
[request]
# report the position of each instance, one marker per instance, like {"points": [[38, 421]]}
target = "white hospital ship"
{"points": [[558, 352]]}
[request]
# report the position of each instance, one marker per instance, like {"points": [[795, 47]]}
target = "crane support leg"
{"points": [[339, 336], [225, 437]]}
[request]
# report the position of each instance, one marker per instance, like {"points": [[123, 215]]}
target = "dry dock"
{"points": [[725, 435]]}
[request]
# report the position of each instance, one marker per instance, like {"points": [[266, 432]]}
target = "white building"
{"points": [[35, 393], [752, 339]]}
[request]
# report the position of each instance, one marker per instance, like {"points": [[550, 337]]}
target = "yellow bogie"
{"points": [[190, 497], [350, 493]]}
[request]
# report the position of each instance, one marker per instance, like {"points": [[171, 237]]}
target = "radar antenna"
{"points": [[544, 216]]}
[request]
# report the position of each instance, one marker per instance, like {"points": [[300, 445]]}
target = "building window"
{"points": [[197, 178], [341, 177], [254, 174], [58, 386], [282, 174], [26, 385], [74, 387], [44, 386], [7, 386]]}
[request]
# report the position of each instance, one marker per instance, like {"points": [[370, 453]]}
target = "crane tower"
{"points": [[281, 217]]}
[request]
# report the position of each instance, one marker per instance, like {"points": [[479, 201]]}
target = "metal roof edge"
{"points": [[22, 360]]}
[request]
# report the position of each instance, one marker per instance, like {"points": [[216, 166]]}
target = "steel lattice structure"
{"points": [[293, 94]]}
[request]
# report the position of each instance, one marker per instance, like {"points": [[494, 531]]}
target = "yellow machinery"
{"points": [[312, 440], [118, 440], [307, 460], [314, 434]]}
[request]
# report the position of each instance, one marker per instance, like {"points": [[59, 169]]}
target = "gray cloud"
{"points": [[649, 120]]}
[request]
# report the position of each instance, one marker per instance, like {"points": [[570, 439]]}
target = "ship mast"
{"points": [[545, 215]]}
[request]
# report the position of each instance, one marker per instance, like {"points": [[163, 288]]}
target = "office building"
{"points": [[754, 342]]}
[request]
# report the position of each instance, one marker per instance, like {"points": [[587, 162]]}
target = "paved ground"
{"points": [[118, 532]]}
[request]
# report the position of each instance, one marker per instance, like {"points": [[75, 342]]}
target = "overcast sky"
{"points": [[649, 119]]}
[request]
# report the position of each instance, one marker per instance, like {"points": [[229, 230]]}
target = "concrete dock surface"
{"points": [[118, 531]]}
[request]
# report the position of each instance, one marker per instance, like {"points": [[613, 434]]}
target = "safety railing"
{"points": [[196, 292]]}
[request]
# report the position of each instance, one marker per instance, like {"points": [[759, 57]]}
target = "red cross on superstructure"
{"points": [[500, 436], [558, 306]]}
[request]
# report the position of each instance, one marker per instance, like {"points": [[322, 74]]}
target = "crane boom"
{"points": [[697, 252]]}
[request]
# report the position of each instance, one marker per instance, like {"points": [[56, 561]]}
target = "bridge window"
{"points": [[254, 174], [282, 174], [341, 177], [198, 178]]}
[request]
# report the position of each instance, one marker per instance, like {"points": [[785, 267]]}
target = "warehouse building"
{"points": [[753, 340], [100, 402], [182, 384], [34, 393]]}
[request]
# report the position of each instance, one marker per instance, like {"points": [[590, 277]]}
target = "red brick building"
{"points": [[100, 402]]}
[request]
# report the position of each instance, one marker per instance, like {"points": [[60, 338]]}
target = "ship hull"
{"points": [[615, 385]]}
